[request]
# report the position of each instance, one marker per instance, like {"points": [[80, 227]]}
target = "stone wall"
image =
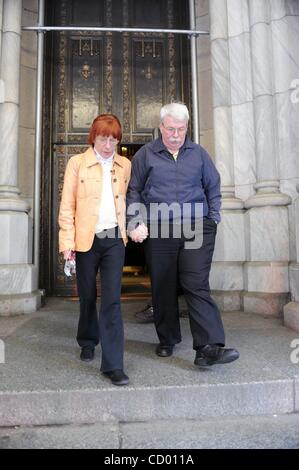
{"points": [[205, 77], [18, 276], [27, 101], [255, 60]]}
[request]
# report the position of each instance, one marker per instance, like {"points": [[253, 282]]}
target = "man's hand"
{"points": [[139, 234]]}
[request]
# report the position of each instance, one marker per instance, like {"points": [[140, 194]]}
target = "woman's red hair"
{"points": [[105, 125]]}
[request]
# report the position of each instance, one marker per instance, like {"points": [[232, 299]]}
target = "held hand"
{"points": [[143, 230], [139, 234], [68, 254]]}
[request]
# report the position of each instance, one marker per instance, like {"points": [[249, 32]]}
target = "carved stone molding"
{"points": [[172, 79], [108, 65]]}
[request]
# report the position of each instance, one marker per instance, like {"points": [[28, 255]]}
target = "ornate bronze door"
{"points": [[88, 73]]}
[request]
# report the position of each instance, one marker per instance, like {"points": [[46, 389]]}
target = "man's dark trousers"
{"points": [[106, 254], [169, 261]]}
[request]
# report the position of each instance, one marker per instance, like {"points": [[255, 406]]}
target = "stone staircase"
{"points": [[43, 382]]}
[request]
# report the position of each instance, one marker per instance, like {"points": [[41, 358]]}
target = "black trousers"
{"points": [[106, 254], [170, 261]]}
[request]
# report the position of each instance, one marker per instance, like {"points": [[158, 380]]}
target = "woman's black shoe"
{"points": [[87, 353], [117, 377], [164, 350]]}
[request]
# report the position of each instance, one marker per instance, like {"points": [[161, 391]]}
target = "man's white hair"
{"points": [[177, 111]]}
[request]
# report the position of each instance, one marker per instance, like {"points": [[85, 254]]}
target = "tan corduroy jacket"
{"points": [[81, 198]]}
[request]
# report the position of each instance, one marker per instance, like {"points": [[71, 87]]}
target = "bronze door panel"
{"points": [[89, 73]]}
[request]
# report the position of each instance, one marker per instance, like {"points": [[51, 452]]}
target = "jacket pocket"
{"points": [[89, 187], [81, 190]]}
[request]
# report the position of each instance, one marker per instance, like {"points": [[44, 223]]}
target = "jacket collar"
{"points": [[118, 159], [158, 145], [91, 158]]}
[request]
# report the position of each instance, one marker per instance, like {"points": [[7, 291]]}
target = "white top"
{"points": [[107, 213]]}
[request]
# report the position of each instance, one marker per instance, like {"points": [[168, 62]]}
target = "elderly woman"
{"points": [[92, 227]]}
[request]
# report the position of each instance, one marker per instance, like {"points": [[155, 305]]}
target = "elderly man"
{"points": [[174, 172]]}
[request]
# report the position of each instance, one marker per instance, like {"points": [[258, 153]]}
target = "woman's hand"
{"points": [[67, 254], [139, 234]]}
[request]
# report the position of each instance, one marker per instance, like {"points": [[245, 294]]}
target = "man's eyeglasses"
{"points": [[171, 130], [106, 140]]}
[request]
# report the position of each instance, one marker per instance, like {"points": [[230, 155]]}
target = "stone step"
{"points": [[43, 382], [239, 432], [111, 404]]}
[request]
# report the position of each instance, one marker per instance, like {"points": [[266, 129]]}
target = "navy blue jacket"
{"points": [[158, 178]]}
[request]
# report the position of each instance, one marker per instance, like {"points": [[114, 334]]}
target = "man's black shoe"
{"points": [[146, 315], [87, 353], [164, 350], [117, 377], [184, 313], [212, 354]]}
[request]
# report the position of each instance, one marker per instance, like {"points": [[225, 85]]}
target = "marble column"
{"points": [[1, 81], [1, 11], [267, 228], [284, 21], [267, 159], [9, 113], [291, 310], [230, 247], [18, 277], [243, 136]]}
